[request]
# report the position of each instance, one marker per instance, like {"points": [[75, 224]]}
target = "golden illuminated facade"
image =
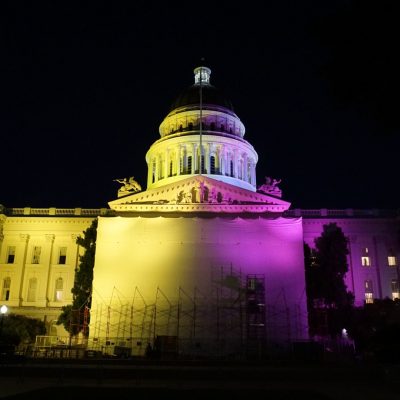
{"points": [[38, 257]]}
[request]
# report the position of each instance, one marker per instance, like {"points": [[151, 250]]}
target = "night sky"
{"points": [[85, 88]]}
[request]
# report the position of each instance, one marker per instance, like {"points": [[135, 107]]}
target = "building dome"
{"points": [[211, 96], [202, 101], [202, 135]]}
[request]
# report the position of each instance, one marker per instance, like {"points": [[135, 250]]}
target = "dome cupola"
{"points": [[202, 135]]}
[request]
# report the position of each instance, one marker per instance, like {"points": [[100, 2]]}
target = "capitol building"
{"points": [[205, 256]]}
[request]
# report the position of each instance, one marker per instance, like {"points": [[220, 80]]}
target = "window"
{"points": [[58, 292], [10, 254], [365, 261], [36, 255], [5, 294], [369, 293], [189, 165], [62, 255], [153, 172], [395, 289], [32, 289], [202, 165], [231, 168], [212, 165], [392, 262], [365, 258], [170, 168]]}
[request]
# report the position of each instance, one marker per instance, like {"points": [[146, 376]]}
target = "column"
{"points": [[166, 169], [245, 173], [253, 173], [184, 160], [157, 159], [50, 243], [235, 159], [150, 172], [1, 243], [178, 160], [376, 264], [207, 155], [194, 158], [219, 162], [25, 240]]}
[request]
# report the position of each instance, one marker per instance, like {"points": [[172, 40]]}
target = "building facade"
{"points": [[203, 257]]}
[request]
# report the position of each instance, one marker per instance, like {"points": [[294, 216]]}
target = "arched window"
{"points": [[153, 173], [212, 165], [203, 170], [58, 291], [5, 294], [32, 289]]}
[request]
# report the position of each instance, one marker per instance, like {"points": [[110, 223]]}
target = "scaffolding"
{"points": [[255, 315], [230, 319]]}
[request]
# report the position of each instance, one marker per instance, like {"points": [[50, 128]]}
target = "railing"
{"points": [[52, 211], [296, 212], [345, 213]]}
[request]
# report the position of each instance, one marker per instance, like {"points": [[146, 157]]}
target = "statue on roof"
{"points": [[271, 187], [129, 186]]}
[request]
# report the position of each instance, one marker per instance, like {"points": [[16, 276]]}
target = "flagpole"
{"points": [[201, 120]]}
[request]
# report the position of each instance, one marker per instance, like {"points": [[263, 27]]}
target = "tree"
{"points": [[73, 315], [19, 329], [329, 302]]}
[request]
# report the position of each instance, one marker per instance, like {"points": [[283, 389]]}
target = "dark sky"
{"points": [[85, 88]]}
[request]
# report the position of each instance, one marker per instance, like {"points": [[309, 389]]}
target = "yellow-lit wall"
{"points": [[50, 233]]}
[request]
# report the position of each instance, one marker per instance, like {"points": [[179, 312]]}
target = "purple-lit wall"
{"points": [[379, 236]]}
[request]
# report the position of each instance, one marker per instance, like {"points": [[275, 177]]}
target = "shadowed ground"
{"points": [[123, 379]]}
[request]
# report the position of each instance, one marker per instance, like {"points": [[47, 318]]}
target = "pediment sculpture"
{"points": [[271, 187], [129, 186]]}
